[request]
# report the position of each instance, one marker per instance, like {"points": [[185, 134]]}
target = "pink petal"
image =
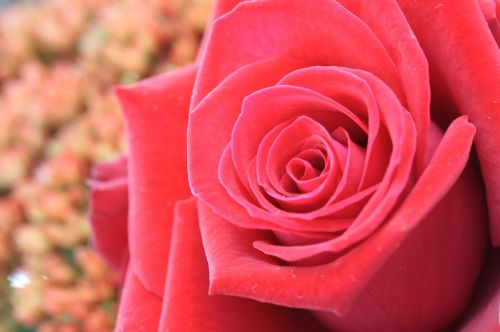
{"points": [[353, 167], [484, 312], [490, 9], [259, 115], [210, 127], [267, 108], [387, 22], [301, 138], [325, 33], [189, 307], [109, 212], [352, 91], [139, 308], [224, 6], [425, 285], [242, 212], [236, 268], [220, 8], [156, 112], [465, 66], [115, 169], [397, 122]]}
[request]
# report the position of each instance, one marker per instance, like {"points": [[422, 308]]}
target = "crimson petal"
{"points": [[109, 212], [465, 70], [116, 169], [385, 19], [236, 268], [490, 8], [187, 305], [224, 6], [256, 30], [210, 127], [483, 314], [156, 112], [139, 308]]}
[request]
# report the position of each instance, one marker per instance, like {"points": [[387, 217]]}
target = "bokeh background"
{"points": [[59, 60]]}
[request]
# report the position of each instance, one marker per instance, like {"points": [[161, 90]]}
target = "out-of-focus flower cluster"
{"points": [[58, 62]]}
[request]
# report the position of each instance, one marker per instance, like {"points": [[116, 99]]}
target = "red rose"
{"points": [[331, 194]]}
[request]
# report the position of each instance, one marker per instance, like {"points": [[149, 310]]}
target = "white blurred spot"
{"points": [[19, 279]]}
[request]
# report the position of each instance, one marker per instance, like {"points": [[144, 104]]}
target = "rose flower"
{"points": [[323, 166]]}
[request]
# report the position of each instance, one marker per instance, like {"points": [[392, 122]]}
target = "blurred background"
{"points": [[59, 60]]}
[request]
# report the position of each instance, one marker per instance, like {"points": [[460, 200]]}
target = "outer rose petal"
{"points": [[399, 303], [465, 70], [109, 212], [221, 7], [139, 308], [109, 171], [484, 313], [490, 9], [389, 24], [211, 124], [187, 305], [257, 30], [236, 268], [224, 6], [156, 112]]}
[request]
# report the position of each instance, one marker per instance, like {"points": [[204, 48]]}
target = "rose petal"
{"points": [[309, 199], [256, 30], [484, 312], [301, 138], [216, 115], [139, 308], [224, 6], [113, 170], [220, 8], [109, 212], [210, 127], [397, 176], [347, 87], [303, 252], [269, 107], [262, 108], [299, 165], [187, 305], [387, 22], [424, 286], [236, 268], [396, 121], [353, 172], [156, 112], [490, 9], [465, 67], [240, 213]]}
